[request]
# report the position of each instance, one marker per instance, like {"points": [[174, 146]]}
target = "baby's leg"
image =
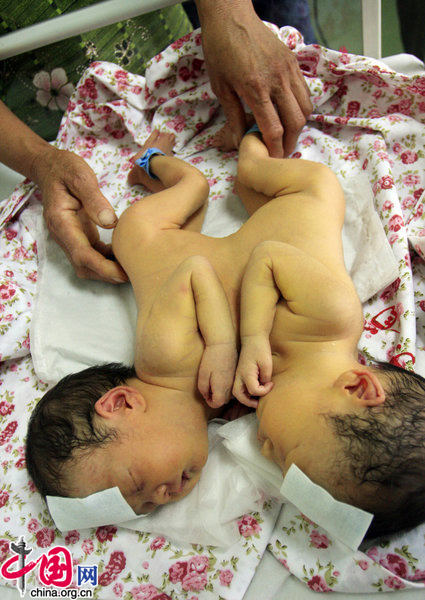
{"points": [[250, 149], [251, 152], [262, 178]]}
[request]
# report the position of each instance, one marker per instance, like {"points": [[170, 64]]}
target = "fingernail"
{"points": [[107, 217]]}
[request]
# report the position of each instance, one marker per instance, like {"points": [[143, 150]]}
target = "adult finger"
{"points": [[103, 269], [302, 93], [293, 116], [88, 262], [269, 124], [234, 113]]}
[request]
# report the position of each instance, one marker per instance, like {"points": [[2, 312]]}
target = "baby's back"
{"points": [[150, 255]]}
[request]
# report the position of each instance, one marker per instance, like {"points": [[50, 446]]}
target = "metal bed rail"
{"points": [[112, 11], [74, 23]]}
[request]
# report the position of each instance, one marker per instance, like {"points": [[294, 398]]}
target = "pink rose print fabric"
{"points": [[366, 119]]}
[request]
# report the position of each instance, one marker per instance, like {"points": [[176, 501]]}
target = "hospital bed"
{"points": [[368, 126]]}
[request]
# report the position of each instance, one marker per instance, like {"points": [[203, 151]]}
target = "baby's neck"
{"points": [[322, 365], [169, 393]]}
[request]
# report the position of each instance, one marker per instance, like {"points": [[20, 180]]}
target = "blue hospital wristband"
{"points": [[143, 161], [253, 129]]}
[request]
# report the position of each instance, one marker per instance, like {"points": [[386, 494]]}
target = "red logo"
{"points": [[386, 319], [55, 566]]}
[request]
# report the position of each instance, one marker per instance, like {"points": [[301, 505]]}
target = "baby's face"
{"points": [[292, 430], [163, 467]]}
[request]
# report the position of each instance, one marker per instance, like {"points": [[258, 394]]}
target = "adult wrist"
{"points": [[39, 161]]}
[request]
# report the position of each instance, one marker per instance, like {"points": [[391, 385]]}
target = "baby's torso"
{"points": [[161, 252], [229, 257]]}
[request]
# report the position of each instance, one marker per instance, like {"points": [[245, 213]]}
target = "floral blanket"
{"points": [[367, 119]]}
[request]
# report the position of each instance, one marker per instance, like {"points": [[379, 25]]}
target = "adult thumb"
{"points": [[97, 207]]}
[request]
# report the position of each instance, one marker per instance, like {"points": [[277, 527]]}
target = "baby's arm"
{"points": [[322, 302], [259, 297], [186, 190], [190, 318], [219, 359]]}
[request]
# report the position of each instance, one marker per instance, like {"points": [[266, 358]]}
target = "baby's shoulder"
{"points": [[132, 223]]}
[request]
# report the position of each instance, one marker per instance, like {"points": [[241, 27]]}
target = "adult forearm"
{"points": [[19, 146], [218, 9]]}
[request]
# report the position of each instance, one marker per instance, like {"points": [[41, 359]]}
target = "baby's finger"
{"points": [[241, 394], [217, 400], [249, 401], [264, 389], [265, 371], [253, 385], [221, 388], [204, 383]]}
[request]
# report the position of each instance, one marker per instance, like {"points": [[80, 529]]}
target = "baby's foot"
{"points": [[225, 139], [157, 139]]}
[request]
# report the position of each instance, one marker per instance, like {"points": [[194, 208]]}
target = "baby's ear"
{"points": [[362, 385], [118, 401]]}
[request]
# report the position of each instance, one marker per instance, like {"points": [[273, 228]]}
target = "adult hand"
{"points": [[73, 206], [247, 62]]}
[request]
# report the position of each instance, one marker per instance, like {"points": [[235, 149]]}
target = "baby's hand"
{"points": [[217, 372], [254, 371]]}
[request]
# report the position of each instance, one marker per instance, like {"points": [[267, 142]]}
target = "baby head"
{"points": [[103, 427], [366, 446], [383, 448]]}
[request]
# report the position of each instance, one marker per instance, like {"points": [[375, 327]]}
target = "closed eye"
{"points": [[138, 487]]}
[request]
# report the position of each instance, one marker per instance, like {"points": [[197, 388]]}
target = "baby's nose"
{"points": [[161, 494]]}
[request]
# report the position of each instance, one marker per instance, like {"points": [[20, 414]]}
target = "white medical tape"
{"points": [[348, 524], [107, 507]]}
